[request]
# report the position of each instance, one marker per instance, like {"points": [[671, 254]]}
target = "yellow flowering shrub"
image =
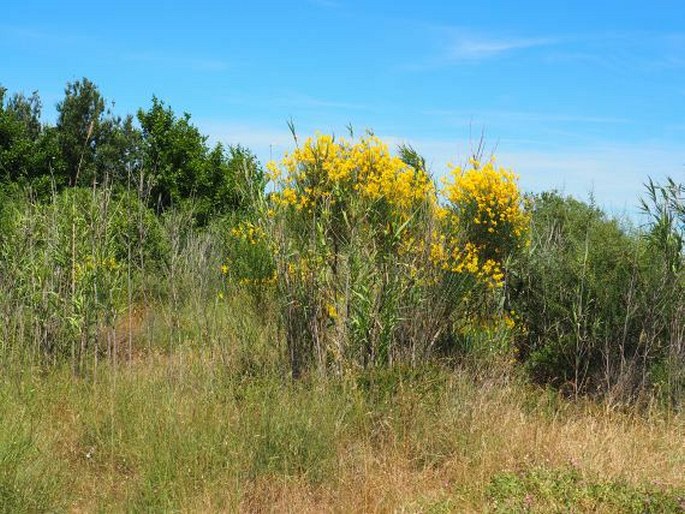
{"points": [[370, 260], [251, 256], [326, 170], [485, 218], [347, 213]]}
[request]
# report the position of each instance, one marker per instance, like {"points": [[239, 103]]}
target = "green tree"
{"points": [[27, 112], [174, 154], [79, 131], [183, 169], [20, 132], [119, 157], [238, 181]]}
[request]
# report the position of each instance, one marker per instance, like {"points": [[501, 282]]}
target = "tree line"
{"points": [[157, 152]]}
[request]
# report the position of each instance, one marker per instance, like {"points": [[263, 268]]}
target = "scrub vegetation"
{"points": [[184, 329]]}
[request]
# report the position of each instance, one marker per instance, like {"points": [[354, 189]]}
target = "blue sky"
{"points": [[575, 95]]}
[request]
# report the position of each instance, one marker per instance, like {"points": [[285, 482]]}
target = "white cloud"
{"points": [[472, 48], [450, 45]]}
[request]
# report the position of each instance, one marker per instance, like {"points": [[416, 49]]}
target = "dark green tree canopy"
{"points": [[27, 111], [78, 127], [182, 166], [20, 134], [161, 155]]}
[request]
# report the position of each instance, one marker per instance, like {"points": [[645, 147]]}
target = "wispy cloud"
{"points": [[452, 45], [524, 116], [40, 35], [478, 47], [617, 51], [294, 102], [193, 63], [625, 52]]}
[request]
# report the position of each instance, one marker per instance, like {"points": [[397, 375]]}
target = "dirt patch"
{"points": [[124, 340]]}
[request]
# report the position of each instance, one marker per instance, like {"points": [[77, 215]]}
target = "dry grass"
{"points": [[199, 416], [181, 431]]}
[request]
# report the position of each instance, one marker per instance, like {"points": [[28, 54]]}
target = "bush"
{"points": [[371, 266], [596, 300]]}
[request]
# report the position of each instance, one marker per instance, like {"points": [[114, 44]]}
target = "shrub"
{"points": [[597, 301], [371, 266]]}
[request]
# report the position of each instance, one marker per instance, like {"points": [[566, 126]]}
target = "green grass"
{"points": [[566, 490], [162, 388], [185, 431]]}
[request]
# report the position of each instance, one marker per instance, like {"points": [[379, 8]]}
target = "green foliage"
{"points": [[576, 260], [119, 157], [166, 161], [174, 152], [367, 262], [67, 267], [79, 134], [181, 167], [664, 206], [27, 112], [88, 146], [596, 300], [21, 151], [566, 490]]}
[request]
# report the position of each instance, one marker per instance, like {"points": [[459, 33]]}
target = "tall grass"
{"points": [[147, 364], [193, 430]]}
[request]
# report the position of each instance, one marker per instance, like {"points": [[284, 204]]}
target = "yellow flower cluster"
{"points": [[326, 169], [383, 176], [331, 311], [248, 232], [478, 322], [454, 256], [479, 221], [93, 265], [489, 198], [482, 221], [303, 269], [263, 281]]}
